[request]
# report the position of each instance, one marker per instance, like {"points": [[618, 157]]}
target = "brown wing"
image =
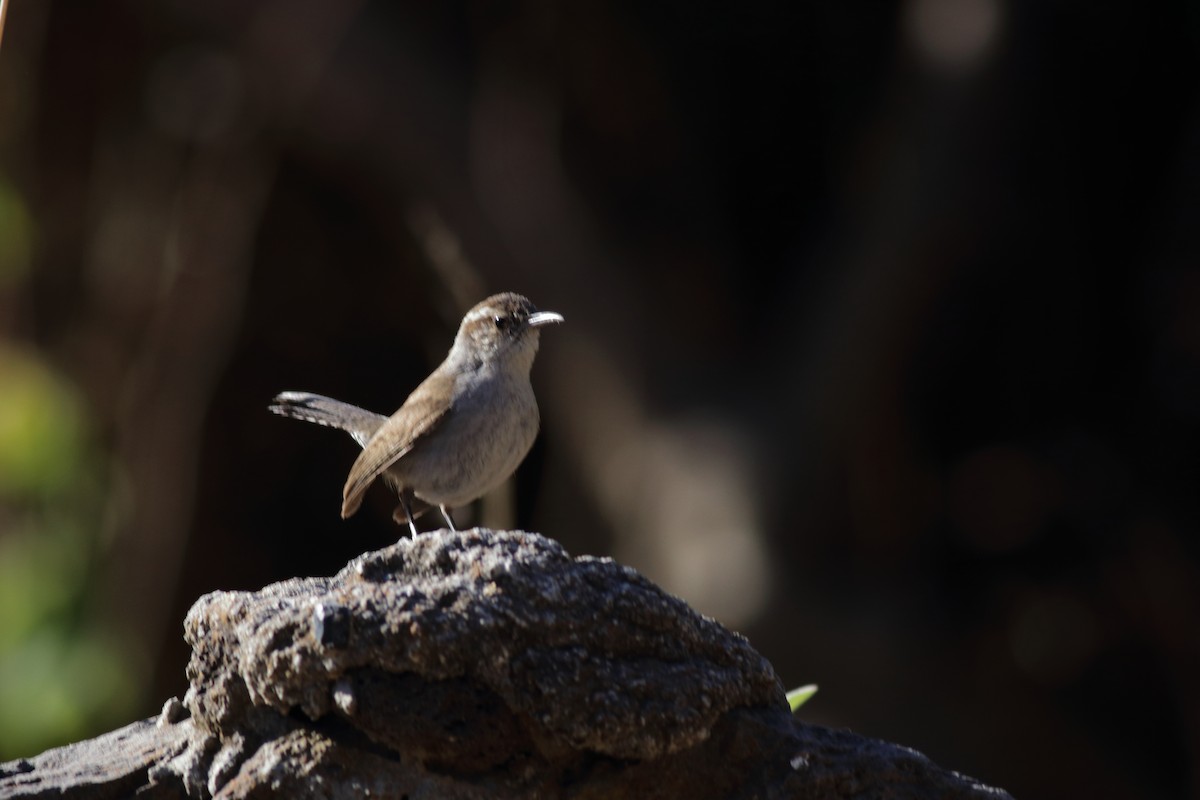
{"points": [[421, 413]]}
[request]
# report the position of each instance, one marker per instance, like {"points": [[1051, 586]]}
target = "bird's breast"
{"points": [[490, 427]]}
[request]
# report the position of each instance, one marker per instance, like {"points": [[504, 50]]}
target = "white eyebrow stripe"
{"points": [[479, 313]]}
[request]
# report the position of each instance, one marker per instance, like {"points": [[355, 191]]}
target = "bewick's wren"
{"points": [[462, 432]]}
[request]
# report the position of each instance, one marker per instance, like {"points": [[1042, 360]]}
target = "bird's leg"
{"points": [[406, 507], [446, 516]]}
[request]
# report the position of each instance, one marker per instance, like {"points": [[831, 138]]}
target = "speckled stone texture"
{"points": [[579, 654], [478, 664]]}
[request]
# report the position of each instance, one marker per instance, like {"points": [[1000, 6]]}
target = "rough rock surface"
{"points": [[478, 664]]}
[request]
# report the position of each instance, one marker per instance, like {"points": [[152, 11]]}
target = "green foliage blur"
{"points": [[62, 673]]}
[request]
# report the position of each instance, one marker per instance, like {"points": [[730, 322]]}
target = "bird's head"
{"points": [[503, 327]]}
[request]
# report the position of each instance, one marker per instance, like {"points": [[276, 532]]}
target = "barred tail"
{"points": [[358, 422]]}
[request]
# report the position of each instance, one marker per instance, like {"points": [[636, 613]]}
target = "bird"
{"points": [[462, 432]]}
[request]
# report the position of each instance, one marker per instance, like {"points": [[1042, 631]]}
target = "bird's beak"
{"points": [[543, 318]]}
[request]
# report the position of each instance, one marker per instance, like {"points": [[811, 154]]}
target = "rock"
{"points": [[488, 664], [109, 766]]}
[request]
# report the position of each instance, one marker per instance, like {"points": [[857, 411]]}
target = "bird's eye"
{"points": [[502, 323]]}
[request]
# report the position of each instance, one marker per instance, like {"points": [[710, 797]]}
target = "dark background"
{"points": [[882, 339]]}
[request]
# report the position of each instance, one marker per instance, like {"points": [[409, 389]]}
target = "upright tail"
{"points": [[358, 422]]}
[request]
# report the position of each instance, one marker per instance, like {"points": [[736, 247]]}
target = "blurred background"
{"points": [[882, 340]]}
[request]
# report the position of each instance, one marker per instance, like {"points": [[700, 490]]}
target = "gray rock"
{"points": [[486, 664]]}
